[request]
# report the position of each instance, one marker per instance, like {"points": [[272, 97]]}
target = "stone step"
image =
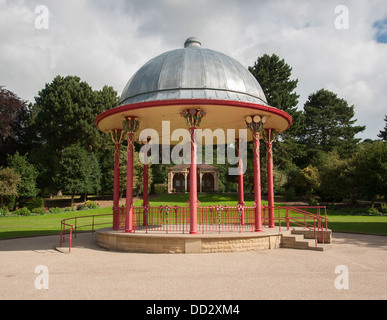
{"points": [[297, 241]]}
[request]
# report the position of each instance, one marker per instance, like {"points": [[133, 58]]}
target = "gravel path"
{"points": [[90, 272]]}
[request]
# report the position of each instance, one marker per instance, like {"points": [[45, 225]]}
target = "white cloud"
{"points": [[105, 42]]}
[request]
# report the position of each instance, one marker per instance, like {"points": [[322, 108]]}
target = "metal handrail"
{"points": [[317, 225], [316, 218], [74, 227]]}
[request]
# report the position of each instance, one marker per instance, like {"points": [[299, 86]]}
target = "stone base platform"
{"points": [[185, 243]]}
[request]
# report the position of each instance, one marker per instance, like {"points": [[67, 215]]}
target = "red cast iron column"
{"points": [[145, 192], [256, 126], [241, 201], [193, 196], [269, 137], [257, 184], [131, 126], [193, 118], [117, 136]]}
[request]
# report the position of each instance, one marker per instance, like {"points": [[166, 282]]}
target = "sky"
{"points": [[333, 44]]}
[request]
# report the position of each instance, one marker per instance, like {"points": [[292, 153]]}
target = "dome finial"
{"points": [[192, 42]]}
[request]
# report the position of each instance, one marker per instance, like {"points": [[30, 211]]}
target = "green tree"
{"points": [[383, 133], [335, 180], [274, 76], [63, 115], [370, 170], [311, 179], [78, 172], [329, 124], [65, 111], [28, 174], [9, 180]]}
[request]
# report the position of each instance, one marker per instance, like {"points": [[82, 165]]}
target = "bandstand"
{"points": [[192, 88]]}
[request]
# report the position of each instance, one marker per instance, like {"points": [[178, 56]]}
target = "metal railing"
{"points": [[212, 219], [70, 228], [302, 218]]}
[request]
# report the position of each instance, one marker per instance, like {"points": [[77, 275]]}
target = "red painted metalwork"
{"points": [[257, 183], [129, 186], [302, 218], [116, 190], [211, 219], [238, 104], [241, 200], [193, 195], [270, 184], [63, 236], [74, 227], [116, 136], [145, 192]]}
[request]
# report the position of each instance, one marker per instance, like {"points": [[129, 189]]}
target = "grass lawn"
{"points": [[11, 227]]}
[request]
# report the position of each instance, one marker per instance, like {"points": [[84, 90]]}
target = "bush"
{"points": [[384, 208], [92, 205], [373, 212], [22, 212], [34, 203], [39, 211], [9, 202], [4, 211], [161, 188], [54, 210], [82, 207]]}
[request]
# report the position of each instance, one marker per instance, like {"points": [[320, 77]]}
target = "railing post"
{"points": [[71, 236], [75, 230], [279, 218], [287, 219], [61, 235]]}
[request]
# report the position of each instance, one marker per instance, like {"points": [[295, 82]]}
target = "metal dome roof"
{"points": [[193, 72], [192, 77]]}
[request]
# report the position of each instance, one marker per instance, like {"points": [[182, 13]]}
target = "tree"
{"points": [[370, 170], [311, 179], [335, 180], [383, 133], [65, 111], [9, 180], [274, 76], [28, 174], [62, 116], [329, 124], [14, 113], [78, 172]]}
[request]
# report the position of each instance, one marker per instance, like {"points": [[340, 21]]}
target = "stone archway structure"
{"points": [[179, 178]]}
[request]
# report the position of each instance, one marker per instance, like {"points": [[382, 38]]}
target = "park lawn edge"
{"points": [[20, 227]]}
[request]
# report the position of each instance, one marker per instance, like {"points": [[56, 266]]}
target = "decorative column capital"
{"points": [[269, 135], [117, 135], [131, 124], [255, 123], [193, 117]]}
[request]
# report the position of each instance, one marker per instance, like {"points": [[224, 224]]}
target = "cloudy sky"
{"points": [[105, 42]]}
